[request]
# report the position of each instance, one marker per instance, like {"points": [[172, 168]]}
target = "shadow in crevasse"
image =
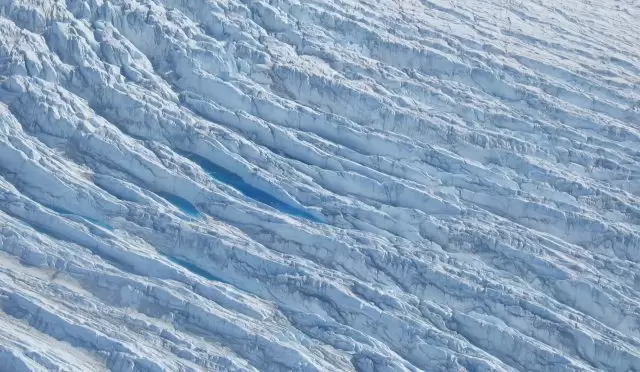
{"points": [[227, 177]]}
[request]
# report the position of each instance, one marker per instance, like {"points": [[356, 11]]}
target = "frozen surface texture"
{"points": [[319, 185]]}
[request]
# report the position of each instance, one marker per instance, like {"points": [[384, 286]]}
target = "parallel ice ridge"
{"points": [[373, 185]]}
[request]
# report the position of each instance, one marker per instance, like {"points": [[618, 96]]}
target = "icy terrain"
{"points": [[319, 185]]}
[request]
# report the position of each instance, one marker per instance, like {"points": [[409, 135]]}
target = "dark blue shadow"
{"points": [[64, 212], [42, 229], [285, 155], [115, 193], [225, 176], [182, 204], [195, 270]]}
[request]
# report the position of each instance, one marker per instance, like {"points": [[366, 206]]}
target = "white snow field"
{"points": [[319, 185]]}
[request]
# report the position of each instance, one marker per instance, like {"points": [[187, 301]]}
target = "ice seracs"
{"points": [[318, 186]]}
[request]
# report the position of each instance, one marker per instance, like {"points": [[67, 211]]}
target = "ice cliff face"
{"points": [[319, 185]]}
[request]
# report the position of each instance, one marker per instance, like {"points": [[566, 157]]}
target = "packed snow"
{"points": [[319, 185]]}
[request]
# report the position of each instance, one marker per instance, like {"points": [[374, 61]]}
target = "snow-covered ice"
{"points": [[319, 185]]}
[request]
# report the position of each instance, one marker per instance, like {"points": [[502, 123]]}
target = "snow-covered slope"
{"points": [[319, 185]]}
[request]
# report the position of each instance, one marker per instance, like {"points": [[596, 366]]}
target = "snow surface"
{"points": [[319, 185]]}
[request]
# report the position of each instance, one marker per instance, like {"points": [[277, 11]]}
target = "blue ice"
{"points": [[183, 205], [64, 212], [225, 176]]}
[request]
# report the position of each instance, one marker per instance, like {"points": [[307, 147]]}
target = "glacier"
{"points": [[319, 185]]}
